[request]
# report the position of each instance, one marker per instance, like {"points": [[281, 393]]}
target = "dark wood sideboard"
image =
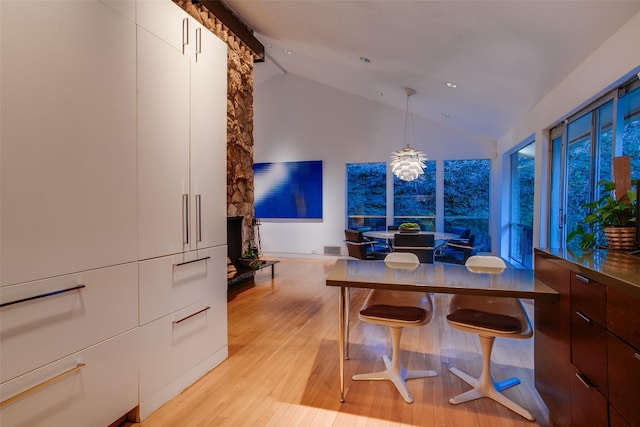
{"points": [[587, 343]]}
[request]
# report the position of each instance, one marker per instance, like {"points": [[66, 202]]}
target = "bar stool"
{"points": [[397, 310], [488, 317]]}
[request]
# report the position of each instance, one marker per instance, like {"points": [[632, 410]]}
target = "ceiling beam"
{"points": [[235, 25]]}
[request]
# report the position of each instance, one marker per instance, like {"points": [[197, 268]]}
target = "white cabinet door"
{"points": [[170, 283], [68, 168], [100, 387], [167, 21], [51, 318], [179, 348], [209, 140], [163, 147]]}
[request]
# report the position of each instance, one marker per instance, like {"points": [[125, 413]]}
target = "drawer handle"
{"points": [[584, 317], [189, 262], [175, 322], [637, 355], [46, 294], [582, 278], [584, 380], [43, 384]]}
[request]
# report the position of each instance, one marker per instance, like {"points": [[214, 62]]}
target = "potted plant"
{"points": [[251, 258], [609, 220], [409, 227]]}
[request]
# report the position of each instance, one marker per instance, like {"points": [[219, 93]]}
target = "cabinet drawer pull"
{"points": [[185, 33], [185, 219], [43, 384], [582, 278], [198, 217], [584, 380], [175, 322], [193, 260], [637, 355], [46, 294], [584, 317]]}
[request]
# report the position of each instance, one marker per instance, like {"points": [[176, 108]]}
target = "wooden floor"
{"points": [[283, 365]]}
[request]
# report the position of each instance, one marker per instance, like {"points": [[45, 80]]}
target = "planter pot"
{"points": [[621, 237]]}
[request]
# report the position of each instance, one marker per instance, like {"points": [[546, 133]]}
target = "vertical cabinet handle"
{"points": [[185, 33], [198, 42], [199, 217], [185, 219]]}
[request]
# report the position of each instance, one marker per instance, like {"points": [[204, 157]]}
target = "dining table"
{"points": [[433, 278], [439, 237]]}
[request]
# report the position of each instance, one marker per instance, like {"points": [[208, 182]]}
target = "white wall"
{"points": [[297, 119], [614, 62]]}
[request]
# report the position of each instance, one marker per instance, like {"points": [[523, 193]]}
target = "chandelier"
{"points": [[407, 163]]}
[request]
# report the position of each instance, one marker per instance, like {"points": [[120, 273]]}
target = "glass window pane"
{"points": [[578, 170], [556, 239], [630, 105], [415, 201], [522, 190], [466, 197], [604, 131], [367, 195]]}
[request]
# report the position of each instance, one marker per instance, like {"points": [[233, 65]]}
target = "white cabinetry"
{"points": [[183, 322], [181, 132], [182, 87], [68, 132], [85, 318]]}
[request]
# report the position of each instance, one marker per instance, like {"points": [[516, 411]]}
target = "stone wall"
{"points": [[239, 120]]}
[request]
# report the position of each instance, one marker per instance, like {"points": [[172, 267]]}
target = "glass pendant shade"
{"points": [[407, 163]]}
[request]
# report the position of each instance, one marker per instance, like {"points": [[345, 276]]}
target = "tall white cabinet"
{"points": [[181, 215], [112, 208]]}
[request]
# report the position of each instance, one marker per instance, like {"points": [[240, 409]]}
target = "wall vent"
{"points": [[332, 250]]}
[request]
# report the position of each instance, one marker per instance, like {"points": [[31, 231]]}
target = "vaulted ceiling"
{"points": [[504, 56]]}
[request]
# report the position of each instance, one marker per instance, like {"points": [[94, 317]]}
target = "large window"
{"points": [[467, 198], [630, 107], [367, 195], [521, 205], [415, 201], [582, 150]]}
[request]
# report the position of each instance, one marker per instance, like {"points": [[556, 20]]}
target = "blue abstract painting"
{"points": [[288, 189]]}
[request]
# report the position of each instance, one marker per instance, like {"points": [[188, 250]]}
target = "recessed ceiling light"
{"points": [[452, 85], [379, 93], [446, 115], [365, 59], [287, 51]]}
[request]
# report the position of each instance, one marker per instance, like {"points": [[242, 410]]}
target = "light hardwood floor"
{"points": [[283, 365]]}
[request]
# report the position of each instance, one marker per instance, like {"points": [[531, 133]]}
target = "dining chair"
{"points": [[397, 310], [488, 317], [359, 247], [458, 251], [420, 244]]}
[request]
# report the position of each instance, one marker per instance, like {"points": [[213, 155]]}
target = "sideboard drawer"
{"points": [[173, 282], [102, 388], [40, 323], [588, 407], [176, 344], [589, 351], [622, 316], [624, 379], [589, 298]]}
